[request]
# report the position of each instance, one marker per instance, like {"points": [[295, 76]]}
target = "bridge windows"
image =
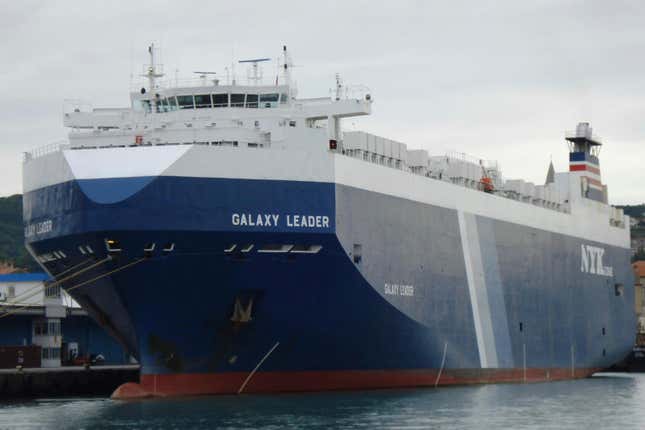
{"points": [[185, 102], [251, 100], [269, 100], [220, 100], [172, 103], [203, 101], [237, 100]]}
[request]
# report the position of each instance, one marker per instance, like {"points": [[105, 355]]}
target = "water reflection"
{"points": [[603, 402]]}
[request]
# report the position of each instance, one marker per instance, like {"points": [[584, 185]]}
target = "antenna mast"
{"points": [[256, 75], [286, 66], [152, 73]]}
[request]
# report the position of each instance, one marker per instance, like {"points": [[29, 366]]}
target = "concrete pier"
{"points": [[65, 381]]}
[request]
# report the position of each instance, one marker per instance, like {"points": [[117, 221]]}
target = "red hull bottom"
{"points": [[188, 384]]}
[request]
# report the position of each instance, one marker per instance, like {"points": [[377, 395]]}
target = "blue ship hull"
{"points": [[398, 314]]}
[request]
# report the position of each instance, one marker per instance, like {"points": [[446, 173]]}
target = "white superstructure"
{"points": [[212, 129]]}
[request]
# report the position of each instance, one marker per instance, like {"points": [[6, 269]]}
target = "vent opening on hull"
{"points": [[247, 248], [357, 253], [149, 249], [169, 247], [306, 249], [230, 248], [112, 245], [618, 290], [275, 248]]}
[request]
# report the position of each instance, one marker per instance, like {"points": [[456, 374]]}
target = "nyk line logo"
{"points": [[592, 261]]}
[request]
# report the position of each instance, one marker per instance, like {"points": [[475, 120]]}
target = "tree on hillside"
{"points": [[12, 248]]}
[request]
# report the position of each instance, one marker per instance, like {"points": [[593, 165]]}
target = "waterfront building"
{"points": [[34, 314]]}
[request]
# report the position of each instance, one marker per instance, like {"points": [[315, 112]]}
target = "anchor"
{"points": [[241, 313]]}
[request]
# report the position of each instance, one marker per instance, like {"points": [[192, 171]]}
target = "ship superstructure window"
{"points": [[237, 100], [203, 101], [145, 105], [185, 102], [11, 291], [220, 100], [251, 100], [284, 98], [269, 100], [172, 103]]}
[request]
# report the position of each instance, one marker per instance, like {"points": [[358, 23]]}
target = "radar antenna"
{"points": [[256, 75], [204, 75]]}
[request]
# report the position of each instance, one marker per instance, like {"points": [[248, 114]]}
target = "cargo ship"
{"points": [[235, 239]]}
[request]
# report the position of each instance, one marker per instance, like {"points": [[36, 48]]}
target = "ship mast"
{"points": [[152, 73]]}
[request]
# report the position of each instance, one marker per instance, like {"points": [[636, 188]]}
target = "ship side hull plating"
{"points": [[389, 291]]}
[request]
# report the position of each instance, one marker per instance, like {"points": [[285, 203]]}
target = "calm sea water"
{"points": [[607, 401]]}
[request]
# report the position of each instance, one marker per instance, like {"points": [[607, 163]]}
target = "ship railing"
{"points": [[374, 158], [44, 150], [347, 92], [586, 134], [210, 81], [488, 164]]}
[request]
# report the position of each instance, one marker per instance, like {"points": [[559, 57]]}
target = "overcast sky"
{"points": [[499, 80]]}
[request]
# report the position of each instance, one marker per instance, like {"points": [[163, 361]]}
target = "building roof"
{"points": [[24, 277], [639, 269]]}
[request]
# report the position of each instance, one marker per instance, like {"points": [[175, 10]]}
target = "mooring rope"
{"points": [[118, 269]]}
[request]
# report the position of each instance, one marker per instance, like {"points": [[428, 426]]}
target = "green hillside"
{"points": [[12, 248]]}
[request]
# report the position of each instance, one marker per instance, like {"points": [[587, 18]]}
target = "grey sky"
{"points": [[499, 80]]}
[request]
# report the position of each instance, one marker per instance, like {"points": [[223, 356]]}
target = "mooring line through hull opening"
{"points": [[248, 378]]}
